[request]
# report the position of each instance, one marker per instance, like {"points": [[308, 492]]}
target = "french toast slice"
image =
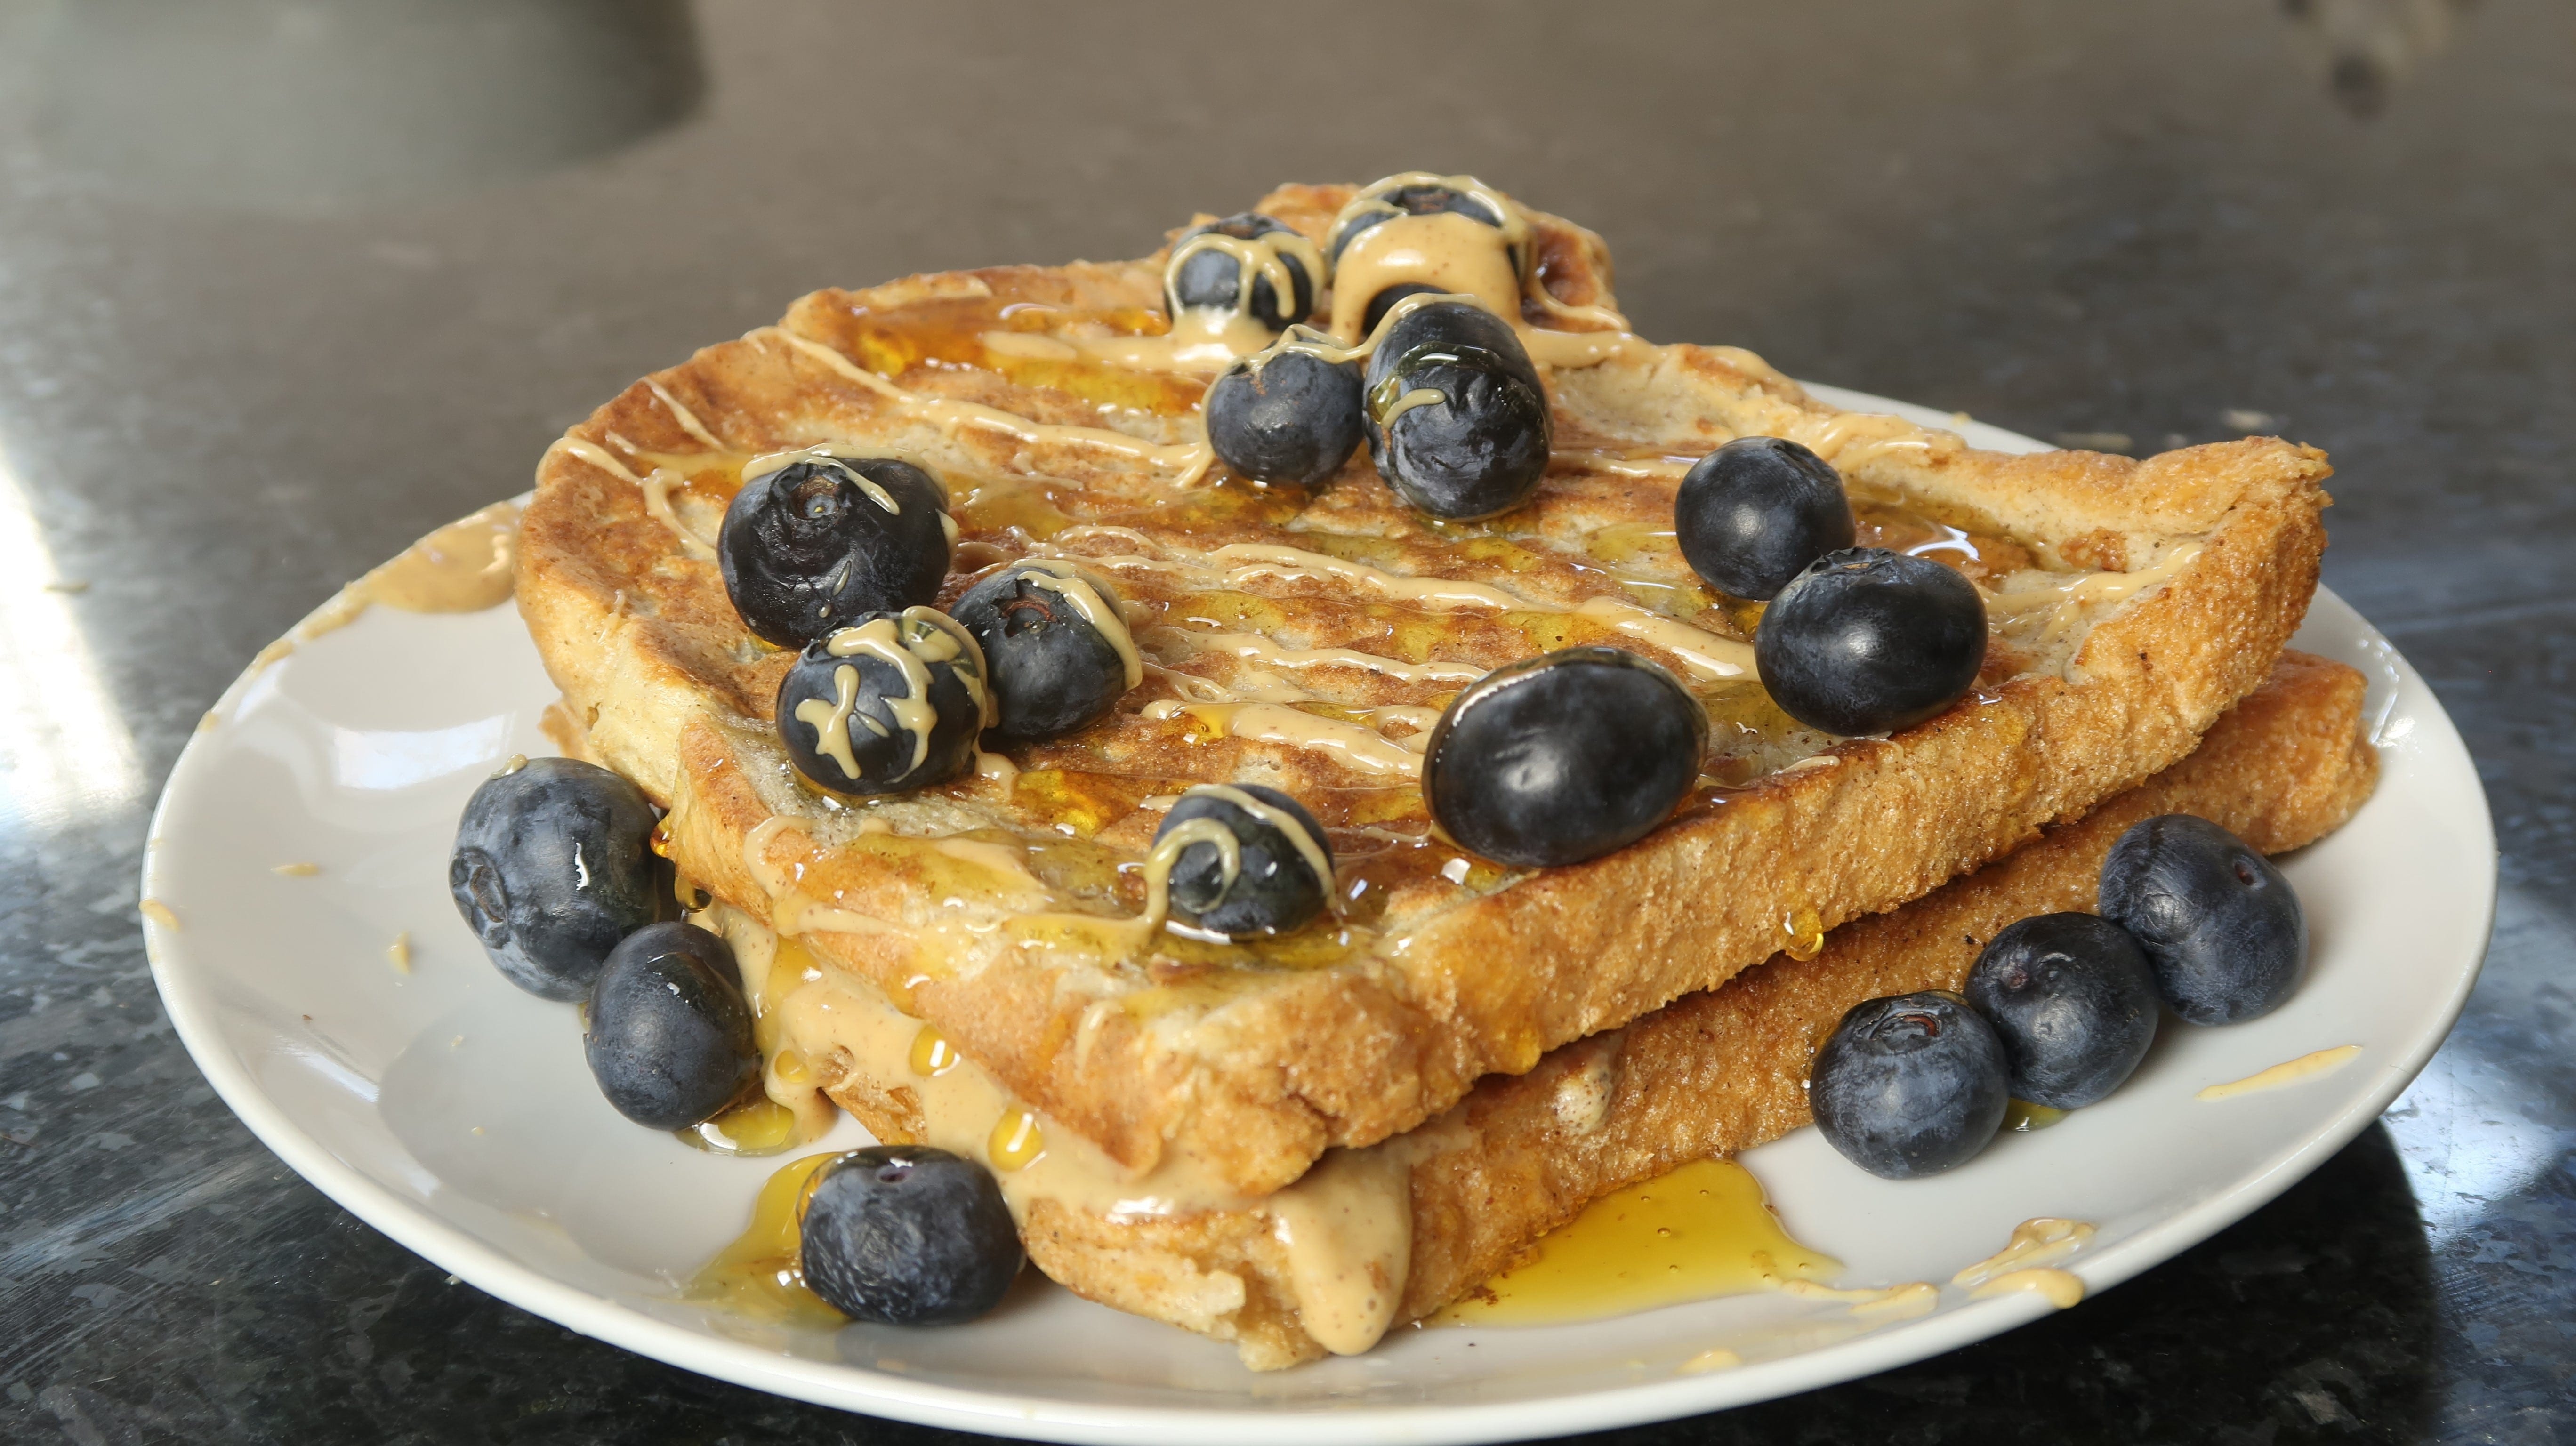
{"points": [[1303, 640], [1463, 1196]]}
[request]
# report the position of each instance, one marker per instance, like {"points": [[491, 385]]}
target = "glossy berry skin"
{"points": [[813, 545], [1410, 201], [1209, 278], [668, 1034], [1910, 1085], [1276, 887], [1871, 641], [2074, 1002], [1384, 302], [1563, 758], [840, 750], [1456, 419], [1754, 513], [2220, 924], [1287, 417], [551, 869], [907, 1235], [1048, 641]]}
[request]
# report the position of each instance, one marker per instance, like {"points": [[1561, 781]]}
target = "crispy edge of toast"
{"points": [[1712, 1073]]}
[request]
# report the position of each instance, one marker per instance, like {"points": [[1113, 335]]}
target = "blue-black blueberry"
{"points": [[1563, 757], [668, 1035], [1280, 871], [1055, 644], [1285, 416], [1208, 276], [826, 540], [1374, 314], [1871, 641], [2074, 1002], [2220, 924], [1910, 1085], [886, 704], [1754, 513], [907, 1235], [551, 868], [1456, 418]]}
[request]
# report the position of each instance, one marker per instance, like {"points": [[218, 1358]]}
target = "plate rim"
{"points": [[858, 1388]]}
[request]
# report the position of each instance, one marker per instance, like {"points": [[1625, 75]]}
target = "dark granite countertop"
{"points": [[284, 283]]}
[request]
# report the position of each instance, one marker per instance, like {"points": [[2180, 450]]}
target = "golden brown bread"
{"points": [[1712, 1073], [1258, 1058]]}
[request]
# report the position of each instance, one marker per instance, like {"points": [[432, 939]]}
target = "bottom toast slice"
{"points": [[1378, 1236]]}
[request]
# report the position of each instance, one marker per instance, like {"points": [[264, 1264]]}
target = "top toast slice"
{"points": [[1300, 641]]}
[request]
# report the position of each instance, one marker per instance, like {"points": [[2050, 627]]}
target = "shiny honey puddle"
{"points": [[761, 1274], [1703, 1231]]}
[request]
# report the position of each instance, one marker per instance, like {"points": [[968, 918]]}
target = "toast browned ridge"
{"points": [[1255, 1059], [1710, 1074]]}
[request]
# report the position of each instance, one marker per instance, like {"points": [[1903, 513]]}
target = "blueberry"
{"points": [[1384, 302], [551, 869], [824, 541], [1416, 199], [1456, 419], [893, 702], [2222, 927], [1563, 757], [1870, 641], [1055, 644], [669, 1036], [1212, 276], [907, 1235], [1285, 416], [1910, 1085], [1754, 513], [1282, 868], [2073, 1001]]}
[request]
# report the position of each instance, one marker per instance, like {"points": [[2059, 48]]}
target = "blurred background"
{"points": [[284, 283]]}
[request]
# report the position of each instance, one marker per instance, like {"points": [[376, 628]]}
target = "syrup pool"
{"points": [[1702, 1231]]}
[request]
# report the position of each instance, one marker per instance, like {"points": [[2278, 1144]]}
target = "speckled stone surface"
{"points": [[282, 285]]}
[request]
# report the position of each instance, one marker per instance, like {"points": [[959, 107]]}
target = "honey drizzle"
{"points": [[1188, 461], [1702, 1231]]}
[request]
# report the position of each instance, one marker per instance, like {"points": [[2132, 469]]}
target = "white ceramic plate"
{"points": [[454, 1113]]}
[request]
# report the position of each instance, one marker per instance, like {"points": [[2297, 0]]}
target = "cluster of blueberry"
{"points": [[554, 871], [1452, 409], [2061, 1008]]}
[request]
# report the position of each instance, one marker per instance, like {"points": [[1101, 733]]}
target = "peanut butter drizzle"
{"points": [[656, 489], [1358, 748], [1260, 649], [2306, 1066], [1188, 462], [687, 419], [1702, 652], [2065, 600], [1495, 266], [2045, 1240], [2060, 1288], [463, 567]]}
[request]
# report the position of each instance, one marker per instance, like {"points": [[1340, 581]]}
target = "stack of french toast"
{"points": [[1330, 1112]]}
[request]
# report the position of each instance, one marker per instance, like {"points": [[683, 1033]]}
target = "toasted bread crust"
{"points": [[1261, 1069], [1710, 1074]]}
